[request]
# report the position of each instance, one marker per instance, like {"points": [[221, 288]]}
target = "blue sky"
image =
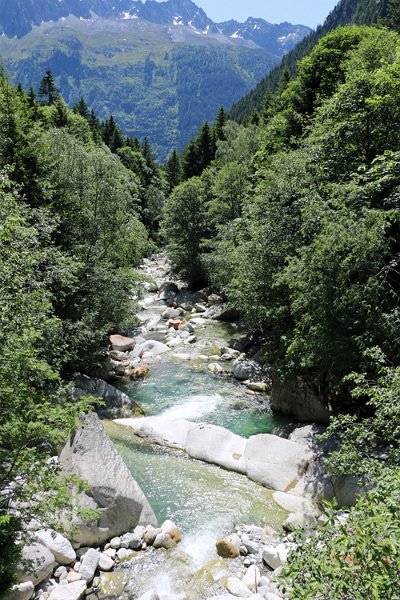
{"points": [[306, 12]]}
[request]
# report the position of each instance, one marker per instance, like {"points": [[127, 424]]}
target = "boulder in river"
{"points": [[246, 369], [58, 545], [121, 503], [117, 404], [276, 463], [22, 591], [140, 372], [121, 343], [229, 546], [217, 445], [38, 562], [300, 400]]}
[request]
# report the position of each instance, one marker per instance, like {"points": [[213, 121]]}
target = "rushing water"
{"points": [[205, 501]]}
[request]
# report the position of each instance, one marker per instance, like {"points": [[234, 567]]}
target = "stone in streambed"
{"points": [[22, 591], [121, 343], [72, 591], [139, 372], [58, 545], [172, 530], [39, 562], [112, 585], [89, 564], [229, 546], [106, 563], [274, 462], [237, 588], [163, 540], [122, 506], [216, 445]]}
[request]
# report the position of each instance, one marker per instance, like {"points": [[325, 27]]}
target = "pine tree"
{"points": [[81, 108], [48, 90], [205, 146], [191, 166], [173, 170], [219, 124]]}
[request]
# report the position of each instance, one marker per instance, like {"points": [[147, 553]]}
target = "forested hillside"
{"points": [[297, 221], [71, 233], [346, 12]]}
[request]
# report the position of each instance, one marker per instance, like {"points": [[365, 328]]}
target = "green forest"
{"points": [[292, 213]]}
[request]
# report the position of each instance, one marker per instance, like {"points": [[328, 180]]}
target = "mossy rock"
{"points": [[112, 585]]}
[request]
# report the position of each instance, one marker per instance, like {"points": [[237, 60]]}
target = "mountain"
{"points": [[358, 12], [160, 68]]}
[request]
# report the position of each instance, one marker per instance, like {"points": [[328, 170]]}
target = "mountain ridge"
{"points": [[19, 17]]}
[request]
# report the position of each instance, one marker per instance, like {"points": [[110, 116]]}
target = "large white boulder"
{"points": [[160, 430], [237, 588], [22, 591], [38, 563], [90, 455], [275, 462], [117, 404], [276, 555], [72, 591], [150, 349], [57, 544], [217, 445]]}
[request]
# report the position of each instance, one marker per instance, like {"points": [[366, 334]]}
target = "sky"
{"points": [[306, 12]]}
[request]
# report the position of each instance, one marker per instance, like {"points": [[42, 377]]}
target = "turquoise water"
{"points": [[181, 391]]}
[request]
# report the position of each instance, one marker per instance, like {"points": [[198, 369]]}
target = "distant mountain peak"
{"points": [[18, 17]]}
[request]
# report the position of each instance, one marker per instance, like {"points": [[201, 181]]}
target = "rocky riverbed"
{"points": [[122, 553]]}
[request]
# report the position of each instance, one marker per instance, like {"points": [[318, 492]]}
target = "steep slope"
{"points": [[160, 68], [359, 12]]}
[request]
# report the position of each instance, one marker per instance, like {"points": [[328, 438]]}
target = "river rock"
{"points": [[91, 456], [22, 591], [39, 561], [347, 489], [117, 404], [237, 588], [160, 430], [73, 576], [151, 349], [139, 372], [121, 343], [168, 290], [276, 463], [216, 368], [252, 577], [258, 386], [214, 299], [233, 354], [182, 356], [72, 591], [133, 541], [221, 312], [229, 546], [217, 445], [163, 540], [150, 535], [300, 400], [106, 563], [172, 313], [200, 308], [172, 530], [58, 545], [276, 555], [89, 564], [112, 585], [246, 369]]}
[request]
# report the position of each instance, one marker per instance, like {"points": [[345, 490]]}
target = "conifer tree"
{"points": [[48, 90], [81, 108], [173, 170], [219, 124]]}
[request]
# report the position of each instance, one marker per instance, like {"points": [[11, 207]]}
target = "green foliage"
{"points": [[346, 12], [369, 440], [185, 226], [355, 559]]}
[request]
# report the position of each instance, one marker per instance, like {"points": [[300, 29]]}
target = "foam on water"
{"points": [[194, 407]]}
